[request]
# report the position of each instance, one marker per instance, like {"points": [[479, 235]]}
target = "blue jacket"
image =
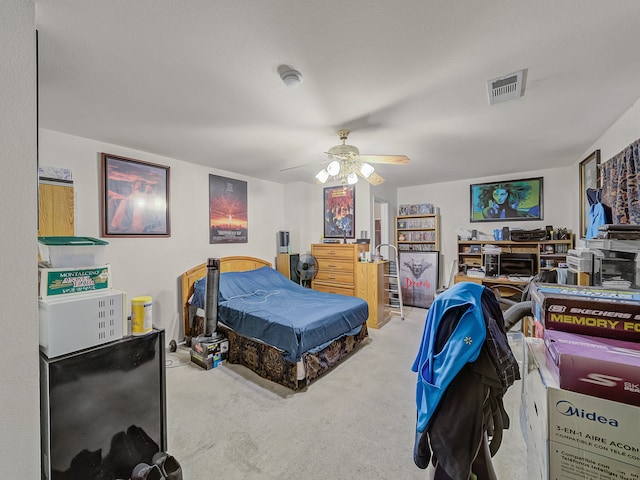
{"points": [[436, 370]]}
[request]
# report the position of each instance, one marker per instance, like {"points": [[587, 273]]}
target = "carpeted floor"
{"points": [[357, 422]]}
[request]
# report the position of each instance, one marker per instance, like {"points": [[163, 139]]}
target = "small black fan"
{"points": [[307, 268]]}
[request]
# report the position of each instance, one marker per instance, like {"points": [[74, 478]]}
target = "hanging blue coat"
{"points": [[435, 372], [464, 367]]}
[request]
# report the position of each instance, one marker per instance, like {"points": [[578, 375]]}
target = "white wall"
{"points": [[152, 266], [304, 208], [560, 202], [19, 394], [624, 132]]}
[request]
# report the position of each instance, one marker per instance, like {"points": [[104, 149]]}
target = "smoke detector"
{"points": [[506, 87], [289, 75]]}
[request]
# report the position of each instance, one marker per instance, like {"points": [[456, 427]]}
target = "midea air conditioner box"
{"points": [[69, 324]]}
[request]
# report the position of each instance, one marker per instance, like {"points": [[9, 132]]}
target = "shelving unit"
{"points": [[549, 253], [418, 233]]}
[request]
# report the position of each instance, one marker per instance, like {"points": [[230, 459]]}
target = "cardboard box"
{"points": [[588, 310], [64, 281], [571, 435], [208, 362], [601, 367], [209, 353]]}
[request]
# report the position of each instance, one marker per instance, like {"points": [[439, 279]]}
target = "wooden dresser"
{"points": [[337, 267]]}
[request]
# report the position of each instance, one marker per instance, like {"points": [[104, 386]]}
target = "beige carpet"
{"points": [[357, 422]]}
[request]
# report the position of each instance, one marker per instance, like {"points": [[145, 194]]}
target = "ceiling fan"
{"points": [[346, 164]]}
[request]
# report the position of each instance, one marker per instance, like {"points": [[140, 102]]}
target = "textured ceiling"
{"points": [[197, 80]]}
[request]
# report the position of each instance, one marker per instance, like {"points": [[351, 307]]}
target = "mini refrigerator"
{"points": [[103, 409]]}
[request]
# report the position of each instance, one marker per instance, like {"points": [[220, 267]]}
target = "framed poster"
{"points": [[340, 212], [228, 221], [589, 180], [419, 274], [508, 200], [135, 198]]}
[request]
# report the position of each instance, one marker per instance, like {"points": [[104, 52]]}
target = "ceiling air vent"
{"points": [[506, 87]]}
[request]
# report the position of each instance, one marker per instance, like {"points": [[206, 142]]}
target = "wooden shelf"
{"points": [[552, 251], [418, 233]]}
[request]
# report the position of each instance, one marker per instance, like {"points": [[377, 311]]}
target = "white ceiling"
{"points": [[197, 80]]}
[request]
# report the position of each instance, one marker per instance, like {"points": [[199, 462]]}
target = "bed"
{"points": [[280, 330]]}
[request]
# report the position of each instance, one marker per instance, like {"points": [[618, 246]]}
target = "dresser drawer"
{"points": [[335, 265], [331, 251], [330, 288], [344, 278]]}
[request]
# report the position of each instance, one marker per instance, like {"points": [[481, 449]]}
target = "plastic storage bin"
{"points": [[72, 251]]}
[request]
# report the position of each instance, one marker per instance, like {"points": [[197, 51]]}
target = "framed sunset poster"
{"points": [[135, 198]]}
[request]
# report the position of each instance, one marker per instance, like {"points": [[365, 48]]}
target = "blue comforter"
{"points": [[265, 305]]}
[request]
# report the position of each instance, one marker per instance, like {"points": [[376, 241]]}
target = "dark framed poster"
{"points": [[135, 198], [340, 212], [419, 273], [228, 222], [508, 200], [589, 181]]}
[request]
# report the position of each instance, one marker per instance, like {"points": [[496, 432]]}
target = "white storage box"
{"points": [[69, 324], [62, 252]]}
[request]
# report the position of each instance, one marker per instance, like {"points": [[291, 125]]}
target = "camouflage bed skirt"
{"points": [[268, 361]]}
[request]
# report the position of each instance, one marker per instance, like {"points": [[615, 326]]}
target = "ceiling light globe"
{"points": [[352, 178], [333, 168], [366, 170], [322, 176]]}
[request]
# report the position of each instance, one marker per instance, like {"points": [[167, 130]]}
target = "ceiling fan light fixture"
{"points": [[333, 168], [366, 170], [352, 178], [322, 176]]}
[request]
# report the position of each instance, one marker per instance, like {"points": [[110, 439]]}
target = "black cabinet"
{"points": [[103, 409]]}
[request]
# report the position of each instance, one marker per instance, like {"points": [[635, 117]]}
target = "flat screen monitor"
{"points": [[521, 264]]}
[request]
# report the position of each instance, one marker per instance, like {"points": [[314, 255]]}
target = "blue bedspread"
{"points": [[265, 305]]}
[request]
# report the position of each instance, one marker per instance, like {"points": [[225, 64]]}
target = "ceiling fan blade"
{"points": [[300, 166], [391, 159], [373, 179]]}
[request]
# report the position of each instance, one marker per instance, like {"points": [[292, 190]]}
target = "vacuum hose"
{"points": [[516, 312]]}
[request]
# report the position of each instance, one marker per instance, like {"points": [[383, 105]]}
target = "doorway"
{"points": [[381, 234]]}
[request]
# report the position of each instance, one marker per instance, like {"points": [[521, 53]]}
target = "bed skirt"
{"points": [[268, 361]]}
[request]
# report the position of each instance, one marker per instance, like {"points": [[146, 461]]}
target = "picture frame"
{"points": [[589, 171], [135, 198], [228, 210], [507, 200], [419, 275], [339, 212]]}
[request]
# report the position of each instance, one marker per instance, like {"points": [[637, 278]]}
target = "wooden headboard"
{"points": [[227, 264]]}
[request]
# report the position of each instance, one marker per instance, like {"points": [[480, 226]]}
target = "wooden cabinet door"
{"points": [[55, 210]]}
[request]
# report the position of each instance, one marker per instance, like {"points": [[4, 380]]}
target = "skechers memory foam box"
{"points": [[597, 366], [593, 311]]}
